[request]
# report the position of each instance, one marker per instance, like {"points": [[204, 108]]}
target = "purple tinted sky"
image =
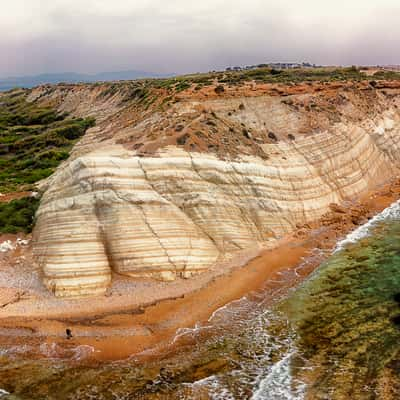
{"points": [[181, 35]]}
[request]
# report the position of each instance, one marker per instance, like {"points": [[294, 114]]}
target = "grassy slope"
{"points": [[33, 142], [268, 75]]}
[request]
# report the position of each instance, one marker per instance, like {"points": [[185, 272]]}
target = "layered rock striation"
{"points": [[176, 211]]}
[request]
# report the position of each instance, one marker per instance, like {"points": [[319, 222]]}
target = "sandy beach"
{"points": [[138, 315]]}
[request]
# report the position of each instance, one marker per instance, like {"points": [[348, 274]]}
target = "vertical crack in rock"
{"points": [[317, 167], [285, 219], [172, 202], [157, 237], [147, 222], [194, 168], [197, 171], [103, 238], [254, 228]]}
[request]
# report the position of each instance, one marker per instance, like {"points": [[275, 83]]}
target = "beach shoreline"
{"points": [[122, 323]]}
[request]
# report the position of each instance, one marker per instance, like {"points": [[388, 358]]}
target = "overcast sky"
{"points": [[186, 36]]}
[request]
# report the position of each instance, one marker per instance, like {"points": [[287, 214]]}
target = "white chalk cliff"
{"points": [[176, 212]]}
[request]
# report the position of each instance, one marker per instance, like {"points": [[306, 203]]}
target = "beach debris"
{"points": [[8, 245]]}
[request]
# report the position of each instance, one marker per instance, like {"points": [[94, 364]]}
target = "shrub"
{"points": [[272, 136], [34, 140], [219, 89], [182, 86], [18, 215], [276, 71]]}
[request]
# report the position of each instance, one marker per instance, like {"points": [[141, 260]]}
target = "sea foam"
{"points": [[392, 212]]}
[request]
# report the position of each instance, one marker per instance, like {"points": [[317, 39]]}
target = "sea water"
{"points": [[336, 336]]}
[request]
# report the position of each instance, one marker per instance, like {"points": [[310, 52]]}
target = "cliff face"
{"points": [[166, 191]]}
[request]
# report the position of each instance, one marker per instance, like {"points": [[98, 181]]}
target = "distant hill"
{"points": [[73, 77]]}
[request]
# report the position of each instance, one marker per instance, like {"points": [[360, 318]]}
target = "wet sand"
{"points": [[134, 317]]}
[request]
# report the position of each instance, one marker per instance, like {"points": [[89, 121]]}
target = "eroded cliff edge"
{"points": [[166, 187]]}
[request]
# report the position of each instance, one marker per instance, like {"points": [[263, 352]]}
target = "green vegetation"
{"points": [[138, 91], [18, 215], [387, 75], [33, 140], [262, 75], [141, 89], [268, 75], [144, 91]]}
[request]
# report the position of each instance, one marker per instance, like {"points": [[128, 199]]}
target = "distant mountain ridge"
{"points": [[73, 77]]}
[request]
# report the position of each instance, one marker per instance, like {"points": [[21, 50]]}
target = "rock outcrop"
{"points": [[172, 209]]}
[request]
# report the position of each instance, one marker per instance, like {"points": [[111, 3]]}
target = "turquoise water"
{"points": [[337, 336], [347, 318]]}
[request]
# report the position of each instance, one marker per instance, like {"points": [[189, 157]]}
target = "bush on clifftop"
{"points": [[33, 140], [18, 215]]}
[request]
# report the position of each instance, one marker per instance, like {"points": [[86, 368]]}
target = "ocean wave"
{"points": [[392, 212], [255, 371], [220, 313], [277, 384]]}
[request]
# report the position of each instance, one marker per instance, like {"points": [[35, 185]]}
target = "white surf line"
{"points": [[226, 307], [277, 384], [391, 212], [198, 326], [216, 390]]}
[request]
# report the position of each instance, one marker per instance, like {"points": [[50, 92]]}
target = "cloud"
{"points": [[182, 36]]}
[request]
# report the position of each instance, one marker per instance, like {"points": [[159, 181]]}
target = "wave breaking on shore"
{"points": [[391, 212]]}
